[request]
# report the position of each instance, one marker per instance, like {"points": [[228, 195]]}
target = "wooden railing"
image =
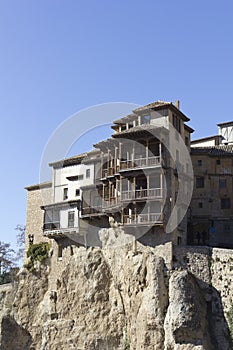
{"points": [[140, 162], [138, 219], [51, 226], [143, 193], [91, 210]]}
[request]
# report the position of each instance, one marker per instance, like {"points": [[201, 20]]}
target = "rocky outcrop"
{"points": [[111, 298]]}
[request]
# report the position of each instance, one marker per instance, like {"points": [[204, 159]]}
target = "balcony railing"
{"points": [[112, 202], [140, 163], [91, 210], [110, 171], [51, 226], [143, 193], [152, 218]]}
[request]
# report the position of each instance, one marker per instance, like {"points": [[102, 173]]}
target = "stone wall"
{"points": [[36, 197]]}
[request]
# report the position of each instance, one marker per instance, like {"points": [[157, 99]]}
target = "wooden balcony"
{"points": [[140, 163], [111, 171], [91, 210], [143, 193], [54, 230], [143, 219], [51, 226]]}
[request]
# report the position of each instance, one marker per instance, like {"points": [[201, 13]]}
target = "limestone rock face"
{"points": [[108, 299]]}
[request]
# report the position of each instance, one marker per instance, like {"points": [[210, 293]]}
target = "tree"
{"points": [[20, 241], [6, 262]]}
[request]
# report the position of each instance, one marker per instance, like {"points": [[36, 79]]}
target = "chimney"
{"points": [[177, 104]]}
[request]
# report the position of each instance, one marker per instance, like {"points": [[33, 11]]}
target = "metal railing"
{"points": [[151, 218]]}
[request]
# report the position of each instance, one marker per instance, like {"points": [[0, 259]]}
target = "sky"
{"points": [[59, 57]]}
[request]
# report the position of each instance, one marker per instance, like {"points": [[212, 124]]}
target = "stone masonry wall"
{"points": [[35, 215]]}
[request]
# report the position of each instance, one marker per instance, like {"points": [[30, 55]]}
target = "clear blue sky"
{"points": [[58, 57]]}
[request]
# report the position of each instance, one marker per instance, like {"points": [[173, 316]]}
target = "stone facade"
{"points": [[37, 196]]}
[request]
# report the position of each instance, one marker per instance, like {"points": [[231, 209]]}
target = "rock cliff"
{"points": [[112, 299]]}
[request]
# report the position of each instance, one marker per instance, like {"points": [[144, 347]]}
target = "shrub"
{"points": [[37, 252]]}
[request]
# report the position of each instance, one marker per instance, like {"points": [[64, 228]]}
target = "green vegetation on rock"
{"points": [[37, 252]]}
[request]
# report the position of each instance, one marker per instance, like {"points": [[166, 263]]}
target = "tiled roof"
{"points": [[221, 150]]}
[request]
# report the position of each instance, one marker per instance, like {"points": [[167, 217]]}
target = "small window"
{"points": [[227, 227], [88, 173], [59, 255], [200, 205], [176, 122], [225, 203], [186, 141], [218, 162], [179, 240], [199, 162], [65, 193], [71, 218], [222, 183], [75, 177], [77, 192], [200, 182]]}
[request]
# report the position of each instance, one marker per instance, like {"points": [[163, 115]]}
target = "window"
{"points": [[59, 254], [146, 119], [227, 227], [77, 192], [176, 122], [199, 162], [65, 193], [200, 205], [222, 183], [218, 162], [186, 141], [71, 218], [200, 182], [88, 173], [225, 203]]}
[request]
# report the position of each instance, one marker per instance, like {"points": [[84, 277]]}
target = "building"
{"points": [[133, 180], [211, 211], [130, 179]]}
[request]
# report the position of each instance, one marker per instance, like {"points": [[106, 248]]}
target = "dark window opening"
{"points": [[71, 218], [88, 173], [225, 203], [59, 255], [222, 183], [65, 193], [176, 122], [199, 162], [200, 182]]}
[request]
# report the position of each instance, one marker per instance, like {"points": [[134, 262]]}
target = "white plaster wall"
{"points": [[208, 143], [64, 217], [61, 181], [159, 121]]}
